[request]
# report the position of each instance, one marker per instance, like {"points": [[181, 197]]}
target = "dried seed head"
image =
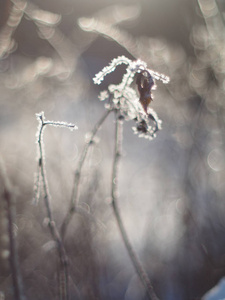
{"points": [[123, 97]]}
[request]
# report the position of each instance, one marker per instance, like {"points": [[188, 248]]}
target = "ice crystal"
{"points": [[41, 118], [124, 97], [110, 68], [103, 95]]}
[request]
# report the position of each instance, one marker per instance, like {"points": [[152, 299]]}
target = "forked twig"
{"points": [[114, 193], [76, 185]]}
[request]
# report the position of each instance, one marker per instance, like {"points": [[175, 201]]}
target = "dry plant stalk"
{"points": [[42, 179], [122, 99], [114, 194]]}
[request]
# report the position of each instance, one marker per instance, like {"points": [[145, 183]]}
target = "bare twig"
{"points": [[76, 185], [64, 291], [114, 193]]}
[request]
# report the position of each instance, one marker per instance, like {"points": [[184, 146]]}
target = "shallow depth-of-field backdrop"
{"points": [[171, 191]]}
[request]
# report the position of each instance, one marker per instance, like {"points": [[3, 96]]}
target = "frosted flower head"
{"points": [[124, 98]]}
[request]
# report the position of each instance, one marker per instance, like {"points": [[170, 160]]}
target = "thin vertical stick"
{"points": [[14, 264], [76, 185], [114, 193]]}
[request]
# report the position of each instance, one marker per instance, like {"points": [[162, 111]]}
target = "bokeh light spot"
{"points": [[216, 159]]}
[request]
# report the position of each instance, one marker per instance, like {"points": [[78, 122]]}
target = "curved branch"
{"points": [[76, 185]]}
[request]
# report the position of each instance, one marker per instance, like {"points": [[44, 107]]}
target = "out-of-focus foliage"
{"points": [[172, 189]]}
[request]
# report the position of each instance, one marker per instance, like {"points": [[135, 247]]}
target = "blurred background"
{"points": [[171, 188]]}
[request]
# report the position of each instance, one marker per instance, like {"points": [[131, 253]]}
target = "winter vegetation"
{"points": [[129, 203]]}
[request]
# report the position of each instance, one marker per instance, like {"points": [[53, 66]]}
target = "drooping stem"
{"points": [[114, 194], [77, 177]]}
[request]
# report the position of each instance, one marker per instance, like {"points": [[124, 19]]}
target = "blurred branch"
{"points": [[135, 46], [46, 23], [211, 13], [14, 263], [75, 193], [112, 32], [219, 8], [16, 14]]}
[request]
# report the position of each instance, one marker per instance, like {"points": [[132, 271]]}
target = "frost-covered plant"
{"points": [[41, 186], [123, 97], [124, 101], [41, 178]]}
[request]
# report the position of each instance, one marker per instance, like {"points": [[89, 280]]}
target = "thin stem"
{"points": [[64, 290], [76, 185], [14, 264], [114, 193]]}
